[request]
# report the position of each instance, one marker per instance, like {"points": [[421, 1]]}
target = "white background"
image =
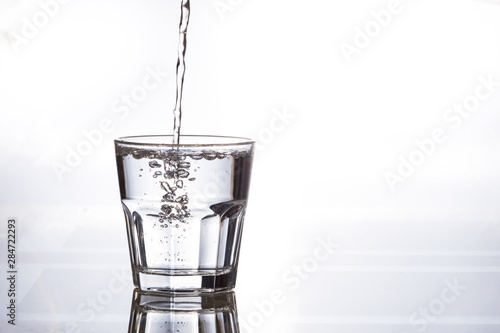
{"points": [[321, 172]]}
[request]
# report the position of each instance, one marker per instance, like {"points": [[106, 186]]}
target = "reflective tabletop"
{"points": [[363, 273]]}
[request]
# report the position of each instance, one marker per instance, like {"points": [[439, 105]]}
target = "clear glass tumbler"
{"points": [[184, 207]]}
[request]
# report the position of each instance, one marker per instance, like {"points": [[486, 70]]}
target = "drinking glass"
{"points": [[184, 208]]}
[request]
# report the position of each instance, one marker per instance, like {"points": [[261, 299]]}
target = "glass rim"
{"points": [[218, 141]]}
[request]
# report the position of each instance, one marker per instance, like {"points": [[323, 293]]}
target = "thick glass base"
{"points": [[180, 282]]}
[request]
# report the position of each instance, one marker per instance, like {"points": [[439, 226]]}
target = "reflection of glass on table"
{"points": [[207, 312]]}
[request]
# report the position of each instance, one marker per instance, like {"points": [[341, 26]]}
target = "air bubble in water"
{"points": [[154, 164], [182, 199], [166, 209], [169, 197], [166, 186], [182, 174], [184, 165], [210, 155], [169, 174]]}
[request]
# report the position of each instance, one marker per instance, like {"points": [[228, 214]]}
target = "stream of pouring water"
{"points": [[181, 69]]}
